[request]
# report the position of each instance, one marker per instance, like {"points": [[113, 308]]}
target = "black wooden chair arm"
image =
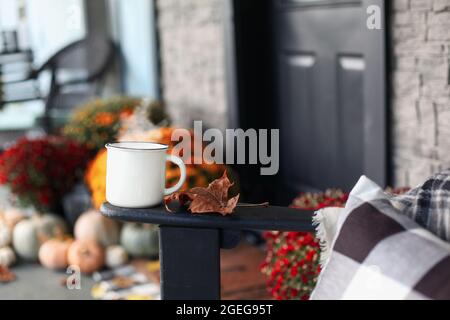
{"points": [[190, 243], [244, 218]]}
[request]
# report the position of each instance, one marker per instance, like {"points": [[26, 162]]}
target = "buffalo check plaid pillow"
{"points": [[429, 204], [379, 253]]}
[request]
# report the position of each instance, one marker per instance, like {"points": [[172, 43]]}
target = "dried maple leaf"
{"points": [[214, 198], [6, 275]]}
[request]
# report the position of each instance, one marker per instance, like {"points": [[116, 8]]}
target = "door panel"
{"points": [[298, 72], [350, 119]]}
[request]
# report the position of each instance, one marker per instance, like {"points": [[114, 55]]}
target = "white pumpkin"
{"points": [[92, 226], [116, 256], [28, 235], [140, 240], [7, 257], [5, 235]]}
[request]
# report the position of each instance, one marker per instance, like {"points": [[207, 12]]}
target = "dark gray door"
{"points": [[332, 125]]}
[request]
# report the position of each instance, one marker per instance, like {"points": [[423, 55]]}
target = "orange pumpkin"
{"points": [[197, 175], [87, 255], [53, 253], [91, 225]]}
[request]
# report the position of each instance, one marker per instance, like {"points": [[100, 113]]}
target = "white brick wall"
{"points": [[192, 59], [421, 90]]}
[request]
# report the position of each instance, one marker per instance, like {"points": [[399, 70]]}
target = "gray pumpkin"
{"points": [[140, 240]]}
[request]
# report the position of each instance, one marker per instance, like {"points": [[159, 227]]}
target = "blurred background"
{"points": [[56, 38], [353, 91]]}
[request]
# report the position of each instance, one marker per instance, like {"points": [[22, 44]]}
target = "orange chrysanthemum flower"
{"points": [[104, 118]]}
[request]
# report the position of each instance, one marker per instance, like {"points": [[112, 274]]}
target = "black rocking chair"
{"points": [[77, 73], [91, 58]]}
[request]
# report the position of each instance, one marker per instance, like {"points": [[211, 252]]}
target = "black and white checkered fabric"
{"points": [[429, 204], [379, 253]]}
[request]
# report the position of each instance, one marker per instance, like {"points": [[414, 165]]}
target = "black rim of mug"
{"points": [[114, 145]]}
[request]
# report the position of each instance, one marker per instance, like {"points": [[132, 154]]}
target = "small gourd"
{"points": [[140, 240], [30, 234], [95, 227], [7, 256], [116, 256], [53, 253], [87, 255]]}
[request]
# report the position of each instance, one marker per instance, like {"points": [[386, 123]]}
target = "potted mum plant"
{"points": [[100, 121], [39, 172], [292, 259]]}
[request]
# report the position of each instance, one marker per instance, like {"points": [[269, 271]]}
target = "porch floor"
{"points": [[241, 279]]}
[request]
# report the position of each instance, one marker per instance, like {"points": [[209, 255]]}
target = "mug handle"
{"points": [[180, 182]]}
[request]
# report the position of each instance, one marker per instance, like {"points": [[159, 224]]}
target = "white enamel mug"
{"points": [[136, 174]]}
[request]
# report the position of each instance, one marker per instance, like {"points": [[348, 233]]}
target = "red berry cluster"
{"points": [[292, 260], [41, 171]]}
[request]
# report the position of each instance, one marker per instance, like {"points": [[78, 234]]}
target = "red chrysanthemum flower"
{"points": [[41, 171], [292, 260]]}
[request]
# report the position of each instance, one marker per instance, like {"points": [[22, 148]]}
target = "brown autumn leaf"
{"points": [[214, 198], [6, 275]]}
